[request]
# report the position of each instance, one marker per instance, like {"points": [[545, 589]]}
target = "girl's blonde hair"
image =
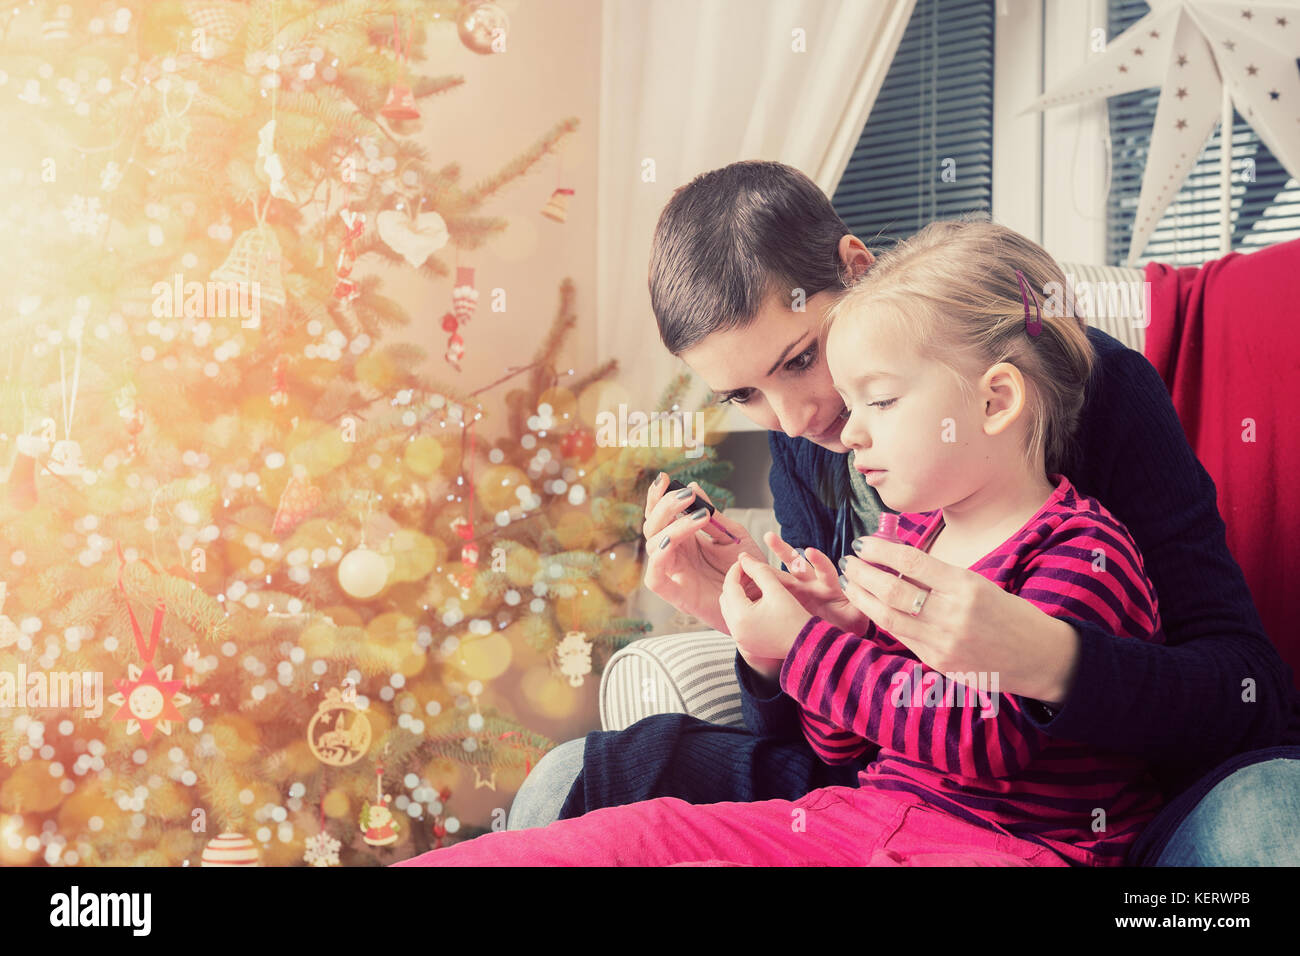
{"points": [[951, 292]]}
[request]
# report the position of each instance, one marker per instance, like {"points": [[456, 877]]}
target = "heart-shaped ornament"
{"points": [[413, 241]]}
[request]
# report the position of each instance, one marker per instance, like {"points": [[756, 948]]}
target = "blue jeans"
{"points": [[543, 791], [1249, 818]]}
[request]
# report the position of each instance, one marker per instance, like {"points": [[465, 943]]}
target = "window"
{"points": [[1265, 198], [927, 150]]}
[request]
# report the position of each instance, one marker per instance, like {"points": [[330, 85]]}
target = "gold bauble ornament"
{"points": [[549, 695], [363, 573], [496, 486], [573, 529], [522, 565], [563, 404], [336, 804], [423, 456], [415, 555], [407, 500], [483, 657], [483, 27], [620, 568], [581, 603], [377, 370], [317, 638], [87, 801], [31, 789]]}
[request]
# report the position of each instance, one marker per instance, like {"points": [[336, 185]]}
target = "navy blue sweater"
{"points": [[1179, 705]]}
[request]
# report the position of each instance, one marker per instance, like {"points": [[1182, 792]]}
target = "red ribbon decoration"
{"points": [[146, 651], [528, 764], [345, 288], [466, 531]]}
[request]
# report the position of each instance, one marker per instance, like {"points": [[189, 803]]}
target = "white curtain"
{"points": [[696, 84]]}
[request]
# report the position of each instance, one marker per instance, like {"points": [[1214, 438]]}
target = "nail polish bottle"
{"points": [[713, 522], [887, 530]]}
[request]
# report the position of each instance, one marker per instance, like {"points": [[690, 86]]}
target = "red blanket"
{"points": [[1225, 337]]}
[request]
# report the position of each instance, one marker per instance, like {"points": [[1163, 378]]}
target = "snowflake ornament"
{"points": [[322, 850], [84, 216], [111, 177]]}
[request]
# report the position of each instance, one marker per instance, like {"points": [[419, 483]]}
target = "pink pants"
{"points": [[834, 826]]}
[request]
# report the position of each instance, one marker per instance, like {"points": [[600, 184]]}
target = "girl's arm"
{"points": [[901, 704], [960, 723], [767, 710]]}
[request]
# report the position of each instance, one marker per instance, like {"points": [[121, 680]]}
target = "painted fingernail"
{"points": [[685, 493], [663, 543], [857, 545], [844, 583], [844, 562], [698, 513], [663, 476]]}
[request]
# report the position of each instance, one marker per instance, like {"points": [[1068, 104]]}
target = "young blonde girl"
{"points": [[962, 389]]}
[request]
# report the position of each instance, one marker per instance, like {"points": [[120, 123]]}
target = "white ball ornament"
{"points": [[363, 573]]}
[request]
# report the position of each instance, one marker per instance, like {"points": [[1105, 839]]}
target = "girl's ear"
{"points": [[1003, 391]]}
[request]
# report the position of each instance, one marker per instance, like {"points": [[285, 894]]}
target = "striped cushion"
{"points": [[691, 673], [694, 672], [1129, 329]]}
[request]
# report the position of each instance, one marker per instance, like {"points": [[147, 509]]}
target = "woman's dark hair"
{"points": [[731, 239]]}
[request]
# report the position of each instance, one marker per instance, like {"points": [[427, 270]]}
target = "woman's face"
{"points": [[775, 371]]}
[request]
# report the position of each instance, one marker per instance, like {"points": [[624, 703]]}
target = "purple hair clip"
{"points": [[1035, 326]]}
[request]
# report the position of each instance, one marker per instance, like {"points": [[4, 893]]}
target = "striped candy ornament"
{"points": [[230, 849]]}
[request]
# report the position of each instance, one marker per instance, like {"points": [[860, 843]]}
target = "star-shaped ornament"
{"points": [[147, 699], [168, 134]]}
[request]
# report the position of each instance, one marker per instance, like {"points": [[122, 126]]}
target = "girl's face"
{"points": [[908, 420], [775, 370]]}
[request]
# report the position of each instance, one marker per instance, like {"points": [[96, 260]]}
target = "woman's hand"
{"points": [[966, 623], [686, 560], [764, 627], [815, 582]]}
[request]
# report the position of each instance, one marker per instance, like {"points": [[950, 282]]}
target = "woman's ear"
{"points": [[855, 256]]}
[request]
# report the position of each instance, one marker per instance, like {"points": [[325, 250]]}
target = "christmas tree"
{"points": [[281, 545]]}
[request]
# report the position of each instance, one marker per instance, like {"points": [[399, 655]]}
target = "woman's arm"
{"points": [[871, 686], [1218, 687]]}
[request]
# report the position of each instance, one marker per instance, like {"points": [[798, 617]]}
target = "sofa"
{"points": [[690, 669]]}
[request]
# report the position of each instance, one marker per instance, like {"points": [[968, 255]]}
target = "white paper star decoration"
{"points": [[1189, 48]]}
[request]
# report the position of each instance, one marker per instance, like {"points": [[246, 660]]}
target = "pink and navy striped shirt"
{"points": [[954, 739]]}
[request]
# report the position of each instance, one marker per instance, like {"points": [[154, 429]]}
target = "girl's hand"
{"points": [[767, 626], [686, 559], [815, 582], [966, 623]]}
